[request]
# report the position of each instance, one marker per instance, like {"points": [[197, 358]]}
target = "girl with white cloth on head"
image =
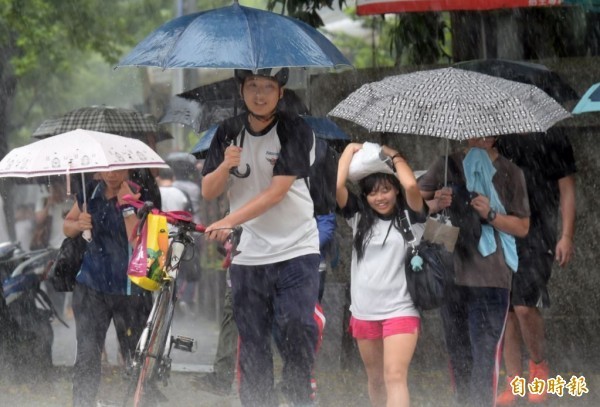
{"points": [[384, 322]]}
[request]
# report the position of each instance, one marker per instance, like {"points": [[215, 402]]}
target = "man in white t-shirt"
{"points": [[261, 158]]}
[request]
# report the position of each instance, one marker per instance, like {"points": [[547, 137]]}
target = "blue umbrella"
{"points": [[323, 127], [235, 37], [590, 102]]}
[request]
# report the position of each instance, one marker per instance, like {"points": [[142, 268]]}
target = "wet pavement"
{"points": [[429, 386]]}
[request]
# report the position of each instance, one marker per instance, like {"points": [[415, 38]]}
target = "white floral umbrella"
{"points": [[450, 103], [79, 151]]}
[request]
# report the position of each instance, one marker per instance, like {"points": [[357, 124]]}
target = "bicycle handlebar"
{"points": [[173, 217], [180, 218]]}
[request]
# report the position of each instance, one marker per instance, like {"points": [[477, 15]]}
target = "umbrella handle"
{"points": [[87, 235], [235, 172]]}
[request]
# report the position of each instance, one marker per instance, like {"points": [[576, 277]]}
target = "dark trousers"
{"points": [[284, 294], [474, 319], [93, 312]]}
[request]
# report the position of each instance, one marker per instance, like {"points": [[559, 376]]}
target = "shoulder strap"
{"points": [[406, 229]]}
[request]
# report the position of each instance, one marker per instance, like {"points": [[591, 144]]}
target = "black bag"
{"points": [[427, 283], [429, 269], [67, 263]]}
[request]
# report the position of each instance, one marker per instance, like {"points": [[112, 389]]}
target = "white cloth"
{"points": [[367, 161], [378, 288]]}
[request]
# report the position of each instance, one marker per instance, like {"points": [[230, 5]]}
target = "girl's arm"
{"points": [[341, 192], [407, 179]]}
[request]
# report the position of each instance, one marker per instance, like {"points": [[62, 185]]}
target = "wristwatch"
{"points": [[128, 211], [491, 215]]}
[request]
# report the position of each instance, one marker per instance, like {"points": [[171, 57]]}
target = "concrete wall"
{"points": [[572, 321]]}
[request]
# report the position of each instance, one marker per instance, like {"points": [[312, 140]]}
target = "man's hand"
{"points": [[219, 230], [443, 198], [232, 156], [564, 251]]}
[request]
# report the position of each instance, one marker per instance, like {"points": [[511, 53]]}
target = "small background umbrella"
{"points": [[106, 119], [323, 128], [590, 102], [525, 72], [235, 37]]}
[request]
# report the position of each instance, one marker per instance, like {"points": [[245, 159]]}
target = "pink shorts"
{"points": [[360, 329]]}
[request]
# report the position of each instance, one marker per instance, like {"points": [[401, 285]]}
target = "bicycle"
{"points": [[151, 362]]}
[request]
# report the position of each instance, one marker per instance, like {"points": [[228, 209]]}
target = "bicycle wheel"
{"points": [[146, 391]]}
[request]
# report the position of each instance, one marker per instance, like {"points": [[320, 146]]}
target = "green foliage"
{"points": [[418, 38], [304, 10], [49, 45]]}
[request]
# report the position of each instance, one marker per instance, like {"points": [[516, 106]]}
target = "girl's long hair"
{"points": [[364, 229]]}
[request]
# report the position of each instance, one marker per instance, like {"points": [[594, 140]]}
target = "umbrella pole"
{"points": [[446, 166], [83, 191]]}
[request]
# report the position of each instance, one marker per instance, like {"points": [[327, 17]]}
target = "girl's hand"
{"points": [[125, 189], [84, 221], [353, 148]]}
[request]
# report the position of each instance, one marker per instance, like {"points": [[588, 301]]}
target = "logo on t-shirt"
{"points": [[272, 157]]}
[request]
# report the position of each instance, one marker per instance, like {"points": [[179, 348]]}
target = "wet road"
{"points": [[339, 388]]}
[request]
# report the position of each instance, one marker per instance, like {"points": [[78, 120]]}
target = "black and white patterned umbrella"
{"points": [[450, 103], [107, 119]]}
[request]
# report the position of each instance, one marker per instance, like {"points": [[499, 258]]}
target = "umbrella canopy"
{"points": [[450, 103], [79, 151], [235, 37], [107, 119], [323, 128], [590, 102], [525, 72], [201, 107]]}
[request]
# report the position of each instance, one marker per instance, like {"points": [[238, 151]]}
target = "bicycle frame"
{"points": [[152, 362]]}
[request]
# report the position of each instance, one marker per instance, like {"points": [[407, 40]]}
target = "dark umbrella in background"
{"points": [[201, 107], [525, 72], [107, 119]]}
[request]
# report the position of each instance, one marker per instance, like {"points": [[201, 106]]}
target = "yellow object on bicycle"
{"points": [[157, 243]]}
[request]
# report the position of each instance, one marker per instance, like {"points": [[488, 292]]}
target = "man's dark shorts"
{"points": [[529, 284]]}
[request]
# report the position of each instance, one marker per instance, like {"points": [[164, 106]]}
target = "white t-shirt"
{"points": [[378, 286], [288, 229], [173, 199]]}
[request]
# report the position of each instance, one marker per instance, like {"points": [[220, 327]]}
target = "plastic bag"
{"points": [[149, 255], [369, 160]]}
